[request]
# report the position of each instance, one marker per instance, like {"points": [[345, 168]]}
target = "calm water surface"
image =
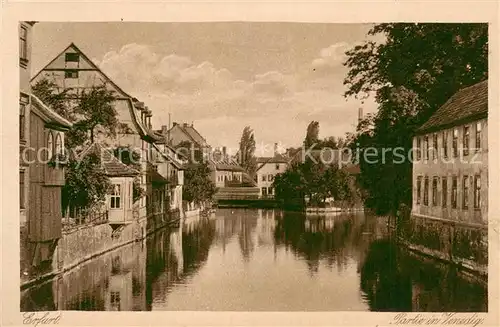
{"points": [[262, 260]]}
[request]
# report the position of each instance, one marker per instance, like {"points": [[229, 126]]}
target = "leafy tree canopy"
{"points": [[414, 72]]}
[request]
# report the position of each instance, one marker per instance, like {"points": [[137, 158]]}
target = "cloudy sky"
{"points": [[274, 77]]}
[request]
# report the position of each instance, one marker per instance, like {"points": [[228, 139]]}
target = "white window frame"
{"points": [[116, 194]]}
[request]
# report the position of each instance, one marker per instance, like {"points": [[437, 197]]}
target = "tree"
{"points": [[96, 112], [246, 154], [56, 99], [198, 187], [411, 74], [86, 184], [312, 134], [317, 181]]}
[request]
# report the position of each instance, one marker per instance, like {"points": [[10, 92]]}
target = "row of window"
{"points": [[441, 193], [222, 178], [267, 191], [433, 148], [268, 178]]}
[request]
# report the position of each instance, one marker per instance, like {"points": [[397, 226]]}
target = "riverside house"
{"points": [[450, 173], [267, 169], [450, 180], [74, 71], [41, 167], [119, 201]]}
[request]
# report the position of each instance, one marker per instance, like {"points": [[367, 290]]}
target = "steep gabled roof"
{"points": [[467, 104], [191, 133], [90, 62], [111, 165], [195, 134]]}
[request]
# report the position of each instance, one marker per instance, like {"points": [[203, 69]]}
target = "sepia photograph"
{"points": [[252, 166]]}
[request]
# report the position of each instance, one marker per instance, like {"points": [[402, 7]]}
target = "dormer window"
{"points": [[72, 57], [50, 146]]}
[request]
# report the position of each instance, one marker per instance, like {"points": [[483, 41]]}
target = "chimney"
{"points": [[275, 149], [360, 115], [164, 130], [224, 149]]}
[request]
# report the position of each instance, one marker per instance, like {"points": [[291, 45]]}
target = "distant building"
{"points": [[450, 168], [267, 169], [225, 170], [184, 133], [41, 165]]}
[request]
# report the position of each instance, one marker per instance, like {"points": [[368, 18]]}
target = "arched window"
{"points": [[59, 150], [50, 146]]}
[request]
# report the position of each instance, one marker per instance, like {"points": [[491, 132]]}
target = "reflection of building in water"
{"points": [[266, 223], [119, 296], [176, 248], [226, 226]]}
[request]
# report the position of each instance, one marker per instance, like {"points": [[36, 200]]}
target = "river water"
{"points": [[262, 260]]}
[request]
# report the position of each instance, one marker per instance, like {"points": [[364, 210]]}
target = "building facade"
{"points": [[41, 166], [449, 215], [267, 169], [450, 169], [72, 70]]}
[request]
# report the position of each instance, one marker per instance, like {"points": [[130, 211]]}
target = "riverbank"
{"points": [[461, 244], [241, 259], [80, 244]]}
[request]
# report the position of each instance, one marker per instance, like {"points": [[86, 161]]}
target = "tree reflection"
{"points": [[329, 239], [394, 280]]}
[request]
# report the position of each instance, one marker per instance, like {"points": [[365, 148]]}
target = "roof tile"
{"points": [[466, 104]]}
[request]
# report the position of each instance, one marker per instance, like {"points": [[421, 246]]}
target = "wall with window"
{"points": [[120, 199], [265, 177], [451, 181], [25, 56]]}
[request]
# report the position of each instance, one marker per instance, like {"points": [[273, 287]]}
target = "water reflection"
{"points": [[262, 260]]}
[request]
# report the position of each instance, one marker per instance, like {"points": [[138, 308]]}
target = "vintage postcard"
{"points": [[250, 164]]}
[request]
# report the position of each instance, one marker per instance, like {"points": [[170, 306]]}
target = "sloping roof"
{"points": [[467, 104], [50, 116], [75, 48], [156, 177], [194, 134], [111, 165], [224, 162], [278, 158], [191, 133], [174, 161]]}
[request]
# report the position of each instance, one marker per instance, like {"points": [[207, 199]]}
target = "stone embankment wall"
{"points": [[461, 243], [82, 243]]}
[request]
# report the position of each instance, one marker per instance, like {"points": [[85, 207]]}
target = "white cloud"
{"points": [[277, 106], [331, 57]]}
